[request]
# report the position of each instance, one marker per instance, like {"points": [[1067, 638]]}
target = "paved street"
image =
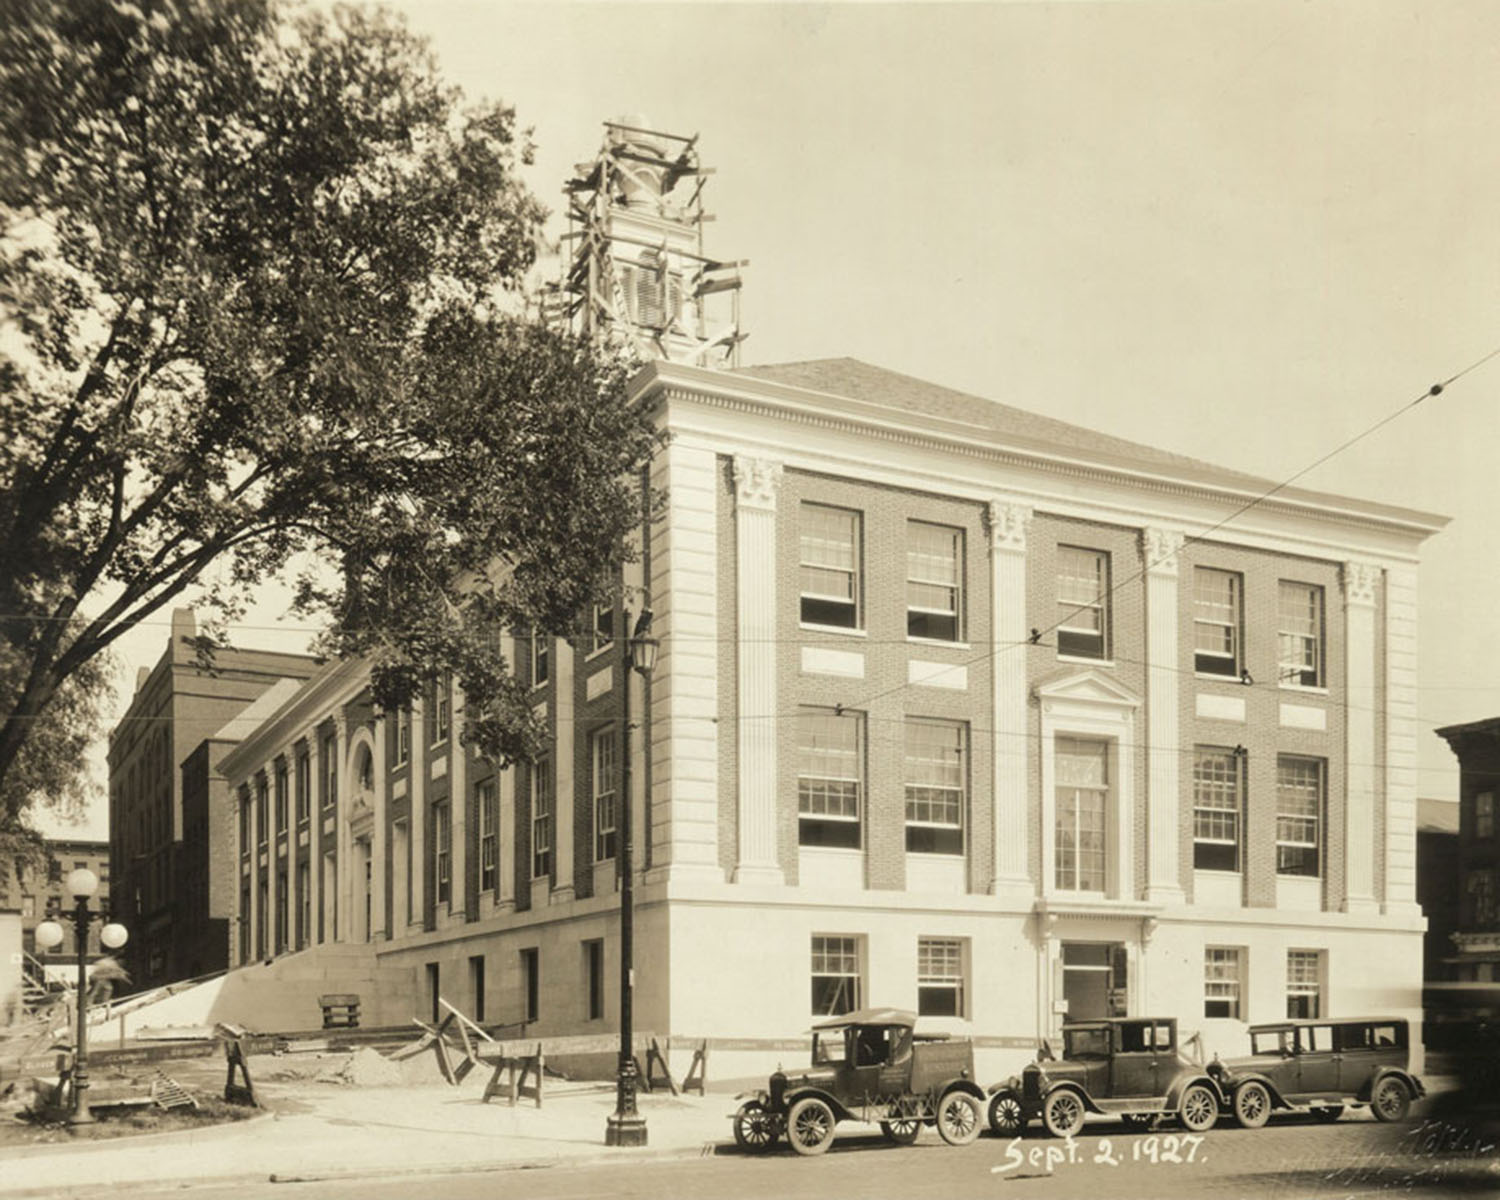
{"points": [[1287, 1160]]}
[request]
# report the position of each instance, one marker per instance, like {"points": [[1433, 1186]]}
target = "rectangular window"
{"points": [[1299, 634], [1304, 988], [330, 772], [835, 975], [1082, 769], [1221, 982], [603, 626], [442, 833], [1299, 815], [1484, 815], [476, 987], [934, 574], [606, 815], [1082, 602], [541, 818], [829, 566], [303, 786], [403, 735], [281, 796], [262, 811], [1218, 800], [442, 710], [935, 778], [940, 977], [1216, 621], [487, 800], [304, 905], [541, 647], [593, 977], [531, 981], [830, 777]]}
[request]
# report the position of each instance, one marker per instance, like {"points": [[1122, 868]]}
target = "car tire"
{"points": [[1252, 1105], [1007, 1118], [755, 1129], [1328, 1112], [901, 1130], [1391, 1100], [958, 1118], [809, 1126], [1063, 1113], [1198, 1109]]}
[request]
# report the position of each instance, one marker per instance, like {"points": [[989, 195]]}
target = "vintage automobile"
{"points": [[1128, 1067], [1322, 1067], [868, 1065]]}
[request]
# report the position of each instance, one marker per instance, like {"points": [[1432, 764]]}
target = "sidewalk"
{"points": [[327, 1131]]}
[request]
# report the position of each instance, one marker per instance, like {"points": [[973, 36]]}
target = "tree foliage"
{"points": [[255, 265]]}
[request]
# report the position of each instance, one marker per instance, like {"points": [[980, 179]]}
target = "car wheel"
{"points": [[901, 1130], [958, 1118], [755, 1129], [1006, 1117], [1063, 1113], [1390, 1101], [1199, 1108], [1329, 1113], [1252, 1105], [809, 1126]]}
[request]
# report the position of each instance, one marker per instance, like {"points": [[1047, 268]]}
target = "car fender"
{"points": [[967, 1086], [759, 1094], [1183, 1082], [1227, 1087], [793, 1095], [1013, 1084], [1413, 1084], [1067, 1085]]}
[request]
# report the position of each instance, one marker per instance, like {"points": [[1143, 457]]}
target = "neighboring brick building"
{"points": [[1439, 883], [958, 707], [165, 827], [40, 891], [1475, 956]]}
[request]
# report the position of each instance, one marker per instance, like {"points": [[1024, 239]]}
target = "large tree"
{"points": [[258, 270]]}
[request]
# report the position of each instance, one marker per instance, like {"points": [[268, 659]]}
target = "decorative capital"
{"points": [[1360, 581], [1160, 548], [1008, 524], [755, 482]]}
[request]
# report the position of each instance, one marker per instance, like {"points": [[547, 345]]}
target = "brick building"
{"points": [[39, 891], [169, 828], [1474, 956], [958, 708]]}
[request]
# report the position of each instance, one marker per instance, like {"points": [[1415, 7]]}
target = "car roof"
{"points": [[1100, 1022], [1303, 1022], [870, 1016]]}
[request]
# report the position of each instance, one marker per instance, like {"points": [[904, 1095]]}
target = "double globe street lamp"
{"points": [[81, 884]]}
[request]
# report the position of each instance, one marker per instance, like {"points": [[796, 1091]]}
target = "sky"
{"points": [[1244, 232]]}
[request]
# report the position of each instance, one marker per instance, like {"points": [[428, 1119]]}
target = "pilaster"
{"points": [[343, 897], [421, 906], [564, 797], [458, 805], [756, 481], [1361, 580], [380, 805], [1401, 741], [1160, 548], [1008, 524]]}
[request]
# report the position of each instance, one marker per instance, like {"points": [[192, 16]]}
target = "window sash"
{"points": [[829, 771], [1299, 633], [541, 818], [835, 975], [442, 850], [1217, 798], [489, 839], [1299, 810], [1216, 616], [828, 562], [604, 626], [602, 753]]}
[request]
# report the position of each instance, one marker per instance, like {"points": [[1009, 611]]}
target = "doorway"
{"points": [[1095, 982]]}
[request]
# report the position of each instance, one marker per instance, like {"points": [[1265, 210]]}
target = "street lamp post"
{"points": [[82, 884], [626, 1126]]}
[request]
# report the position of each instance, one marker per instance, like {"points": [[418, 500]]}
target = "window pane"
{"points": [[835, 975], [828, 539], [829, 778], [1216, 810]]}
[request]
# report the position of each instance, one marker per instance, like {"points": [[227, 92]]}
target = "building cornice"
{"points": [[764, 398], [337, 684]]}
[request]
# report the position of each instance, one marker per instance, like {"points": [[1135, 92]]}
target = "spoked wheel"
{"points": [[809, 1126], [1006, 1117], [958, 1118], [755, 1129], [1199, 1108], [1390, 1100], [1062, 1114], [902, 1130], [1252, 1105]]}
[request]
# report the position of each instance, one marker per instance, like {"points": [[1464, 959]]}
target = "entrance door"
{"points": [[1094, 980]]}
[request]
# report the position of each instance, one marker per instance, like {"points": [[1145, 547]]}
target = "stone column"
{"points": [[253, 916], [343, 892], [458, 801], [1360, 583], [1160, 548], [380, 804], [268, 769], [756, 482], [417, 775], [1008, 525], [315, 768], [564, 792]]}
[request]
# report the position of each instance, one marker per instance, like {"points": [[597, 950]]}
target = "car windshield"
{"points": [[1086, 1043], [828, 1048]]}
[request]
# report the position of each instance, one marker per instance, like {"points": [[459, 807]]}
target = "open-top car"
{"points": [[1128, 1067], [1322, 1067], [869, 1065]]}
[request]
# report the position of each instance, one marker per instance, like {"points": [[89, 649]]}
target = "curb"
{"points": [[99, 1145]]}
